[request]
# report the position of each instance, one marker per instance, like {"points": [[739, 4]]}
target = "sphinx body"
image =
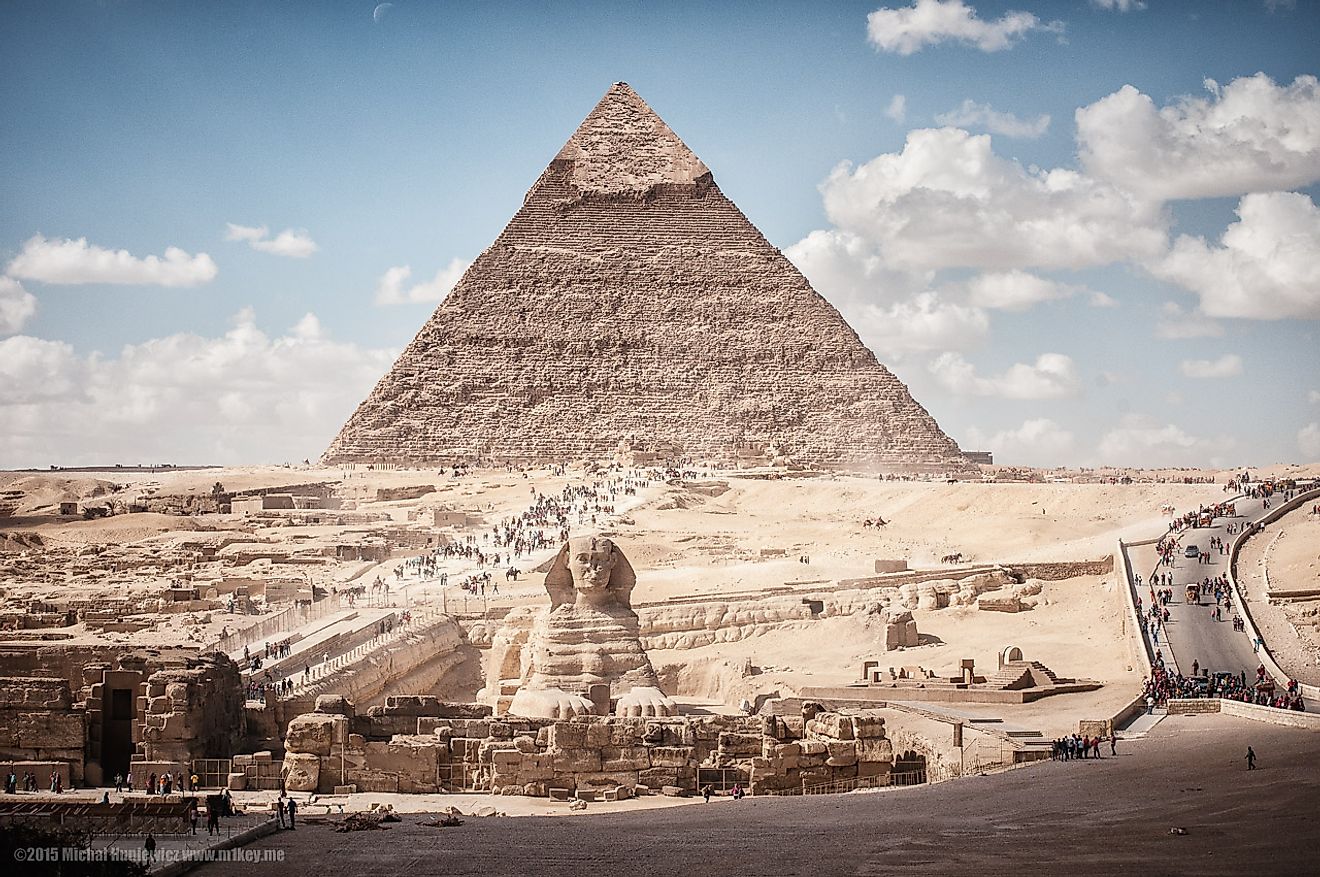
{"points": [[588, 637]]}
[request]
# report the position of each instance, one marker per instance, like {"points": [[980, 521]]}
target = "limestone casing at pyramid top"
{"points": [[624, 147]]}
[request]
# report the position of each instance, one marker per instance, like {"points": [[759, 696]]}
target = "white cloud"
{"points": [[1313, 397], [1014, 290], [1248, 136], [242, 397], [17, 306], [76, 261], [895, 312], [897, 109], [34, 370], [1308, 441], [1177, 323], [948, 201], [1119, 5], [1038, 442], [393, 289], [1227, 366], [294, 243], [1098, 299], [1267, 266], [1143, 441], [973, 115], [910, 29], [1052, 376]]}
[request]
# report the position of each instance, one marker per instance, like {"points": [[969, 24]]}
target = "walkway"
{"points": [[1192, 634]]}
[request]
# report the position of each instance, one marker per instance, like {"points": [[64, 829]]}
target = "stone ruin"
{"points": [[92, 716], [583, 655], [630, 294], [421, 744], [1016, 680]]}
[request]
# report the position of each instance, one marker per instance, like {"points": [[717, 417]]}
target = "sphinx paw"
{"points": [[549, 703], [645, 702]]}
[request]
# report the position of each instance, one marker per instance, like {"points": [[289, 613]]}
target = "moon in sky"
{"points": [[379, 12]]}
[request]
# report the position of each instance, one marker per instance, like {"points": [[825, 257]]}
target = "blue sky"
{"points": [[409, 138]]}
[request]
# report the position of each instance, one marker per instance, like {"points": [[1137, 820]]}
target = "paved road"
{"points": [[1192, 633]]}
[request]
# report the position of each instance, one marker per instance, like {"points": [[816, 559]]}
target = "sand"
{"points": [[1289, 551]]}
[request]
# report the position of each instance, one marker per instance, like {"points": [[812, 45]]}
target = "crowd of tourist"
{"points": [[1163, 686], [1075, 746]]}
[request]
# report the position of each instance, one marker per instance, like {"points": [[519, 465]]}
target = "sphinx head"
{"points": [[590, 570]]}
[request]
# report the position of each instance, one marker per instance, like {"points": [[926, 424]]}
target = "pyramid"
{"points": [[629, 302]]}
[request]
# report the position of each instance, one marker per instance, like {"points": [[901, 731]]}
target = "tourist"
{"points": [[212, 819], [150, 847], [1251, 758], [192, 816], [119, 783], [1113, 743], [279, 809], [706, 791], [293, 808], [151, 784], [738, 792]]}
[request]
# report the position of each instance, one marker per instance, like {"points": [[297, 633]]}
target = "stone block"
{"points": [[624, 758], [812, 747], [335, 704], [831, 725], [733, 743], [865, 727], [238, 781], [302, 771], [842, 753], [567, 735], [671, 756], [876, 750], [576, 760], [598, 734], [315, 732], [657, 777]]}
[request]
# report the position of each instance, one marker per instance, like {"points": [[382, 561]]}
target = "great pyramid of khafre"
{"points": [[629, 300]]}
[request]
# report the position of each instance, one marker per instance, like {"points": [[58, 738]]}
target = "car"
{"points": [[1191, 551]]}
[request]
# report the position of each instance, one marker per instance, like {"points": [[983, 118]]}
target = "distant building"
{"points": [[985, 458]]}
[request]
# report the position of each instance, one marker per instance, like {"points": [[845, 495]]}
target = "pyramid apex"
{"points": [[623, 146]]}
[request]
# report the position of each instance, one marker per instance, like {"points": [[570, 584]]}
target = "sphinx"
{"points": [[589, 636]]}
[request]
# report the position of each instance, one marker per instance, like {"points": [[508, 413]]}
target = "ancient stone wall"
{"points": [[434, 657], [195, 711], [687, 625], [426, 745], [39, 722], [1053, 572]]}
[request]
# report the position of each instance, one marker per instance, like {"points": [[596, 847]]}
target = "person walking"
{"points": [[1251, 758], [1113, 743], [293, 808], [279, 809]]}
